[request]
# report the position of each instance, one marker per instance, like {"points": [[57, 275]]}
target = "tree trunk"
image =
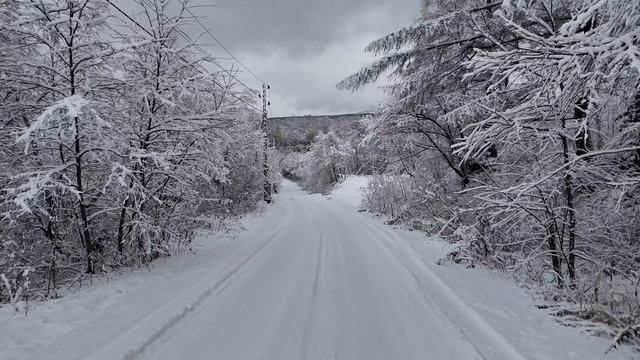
{"points": [[583, 140], [635, 118], [556, 258], [84, 219], [123, 216], [120, 238], [570, 218]]}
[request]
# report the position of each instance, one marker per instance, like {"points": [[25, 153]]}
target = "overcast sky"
{"points": [[304, 47]]}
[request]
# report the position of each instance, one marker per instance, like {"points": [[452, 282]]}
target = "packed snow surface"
{"points": [[310, 279]]}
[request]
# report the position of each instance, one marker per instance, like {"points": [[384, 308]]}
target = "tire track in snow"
{"points": [[133, 354], [304, 348], [471, 324], [176, 319]]}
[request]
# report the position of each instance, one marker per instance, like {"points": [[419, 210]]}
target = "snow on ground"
{"points": [[75, 326], [310, 279], [350, 190]]}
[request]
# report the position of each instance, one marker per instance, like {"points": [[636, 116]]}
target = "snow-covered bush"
{"points": [[327, 162], [387, 194], [292, 165]]}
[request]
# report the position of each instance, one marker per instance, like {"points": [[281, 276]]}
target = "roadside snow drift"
{"points": [[351, 190]]}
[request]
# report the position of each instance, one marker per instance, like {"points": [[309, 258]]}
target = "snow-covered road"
{"points": [[326, 283], [311, 279]]}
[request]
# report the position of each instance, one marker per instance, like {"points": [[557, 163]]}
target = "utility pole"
{"points": [[265, 134]]}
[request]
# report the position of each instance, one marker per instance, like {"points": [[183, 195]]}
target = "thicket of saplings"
{"points": [[117, 144]]}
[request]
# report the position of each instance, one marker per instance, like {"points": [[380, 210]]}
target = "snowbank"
{"points": [[350, 191]]}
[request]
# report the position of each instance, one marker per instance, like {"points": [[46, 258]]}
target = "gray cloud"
{"points": [[302, 47], [300, 27], [306, 85]]}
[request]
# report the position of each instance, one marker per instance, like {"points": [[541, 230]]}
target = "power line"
{"points": [[225, 48], [191, 41], [129, 17], [183, 59], [188, 38]]}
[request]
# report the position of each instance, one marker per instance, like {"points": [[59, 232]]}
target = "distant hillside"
{"points": [[298, 131]]}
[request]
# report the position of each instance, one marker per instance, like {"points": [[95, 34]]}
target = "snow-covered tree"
{"points": [[66, 146], [429, 98], [171, 109], [532, 107], [127, 140], [567, 135]]}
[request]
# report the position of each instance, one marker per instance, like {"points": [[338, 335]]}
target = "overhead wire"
{"points": [[125, 14], [224, 47], [188, 38]]}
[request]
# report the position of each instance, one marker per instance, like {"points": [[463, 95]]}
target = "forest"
{"points": [[512, 129], [119, 141]]}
